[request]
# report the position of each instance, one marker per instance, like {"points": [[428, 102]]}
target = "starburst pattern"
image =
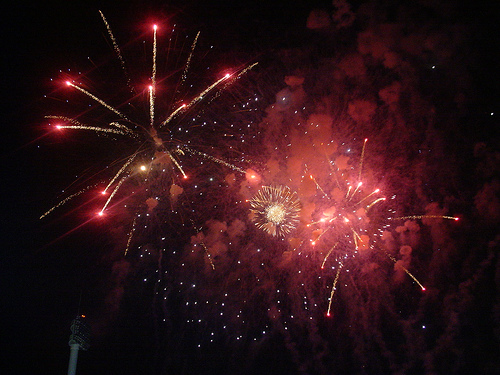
{"points": [[151, 144], [275, 210]]}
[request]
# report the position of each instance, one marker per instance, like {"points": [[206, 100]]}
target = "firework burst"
{"points": [[157, 135], [352, 219], [342, 220], [275, 210]]}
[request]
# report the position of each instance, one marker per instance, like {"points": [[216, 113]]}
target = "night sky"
{"points": [[202, 289]]}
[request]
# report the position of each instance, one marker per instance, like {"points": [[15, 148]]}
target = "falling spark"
{"points": [[151, 105], [369, 195], [214, 159], [122, 129], [406, 270], [152, 88], [334, 288], [318, 186], [417, 217], [130, 236], [209, 257], [64, 201], [176, 164], [327, 255], [117, 187], [207, 252], [117, 51], [93, 128], [100, 101], [356, 190], [188, 62], [127, 163], [173, 114], [362, 158], [375, 202]]}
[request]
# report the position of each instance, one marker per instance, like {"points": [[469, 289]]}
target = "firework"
{"points": [[345, 219], [275, 210], [157, 144]]}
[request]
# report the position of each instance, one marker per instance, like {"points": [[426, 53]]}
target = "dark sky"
{"points": [[420, 81]]}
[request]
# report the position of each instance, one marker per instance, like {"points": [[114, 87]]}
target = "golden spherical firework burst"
{"points": [[275, 210]]}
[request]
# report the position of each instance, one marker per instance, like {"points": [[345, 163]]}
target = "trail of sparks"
{"points": [[318, 186], [375, 202], [64, 201], [357, 238], [100, 101], [127, 163], [122, 129], [244, 71], [355, 190], [117, 187], [233, 77], [334, 288], [176, 164], [173, 114], [369, 195], [152, 88], [214, 159], [315, 241], [417, 217], [195, 100], [406, 271], [153, 75], [207, 90], [117, 51], [92, 128], [327, 255], [188, 62], [362, 158], [207, 252], [130, 236], [208, 255], [151, 105]]}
